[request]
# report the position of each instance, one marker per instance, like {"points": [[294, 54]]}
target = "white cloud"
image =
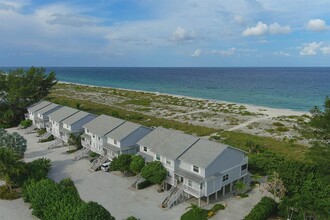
{"points": [[316, 25], [196, 53], [71, 20], [281, 53], [278, 29], [310, 49], [258, 30], [262, 29], [325, 50], [181, 34], [228, 52]]}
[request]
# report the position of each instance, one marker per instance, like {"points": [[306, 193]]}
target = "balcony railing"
{"points": [[195, 192]]}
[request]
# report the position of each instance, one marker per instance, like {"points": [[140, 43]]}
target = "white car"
{"points": [[105, 166]]}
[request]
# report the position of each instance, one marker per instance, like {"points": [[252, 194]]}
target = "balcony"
{"points": [[194, 192]]}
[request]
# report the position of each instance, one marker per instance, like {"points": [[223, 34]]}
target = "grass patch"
{"points": [[239, 140], [278, 124], [41, 132], [191, 215], [282, 129], [50, 138]]}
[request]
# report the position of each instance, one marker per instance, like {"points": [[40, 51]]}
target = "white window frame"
{"points": [[190, 184], [158, 157], [145, 149], [193, 169], [168, 162], [115, 142], [225, 177]]}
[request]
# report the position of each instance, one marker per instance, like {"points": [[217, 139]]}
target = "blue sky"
{"points": [[165, 33]]}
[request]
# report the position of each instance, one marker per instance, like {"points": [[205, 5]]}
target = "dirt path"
{"points": [[248, 123]]}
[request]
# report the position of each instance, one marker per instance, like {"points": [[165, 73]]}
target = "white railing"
{"points": [[58, 142], [175, 197], [30, 129], [81, 153], [45, 136], [192, 191], [99, 162]]}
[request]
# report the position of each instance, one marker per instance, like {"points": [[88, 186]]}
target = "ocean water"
{"points": [[290, 88]]}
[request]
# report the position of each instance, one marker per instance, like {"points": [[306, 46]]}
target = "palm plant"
{"points": [[10, 166], [195, 209], [239, 186]]}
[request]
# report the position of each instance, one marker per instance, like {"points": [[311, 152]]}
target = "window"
{"points": [[225, 178], [99, 138], [115, 142], [244, 167], [201, 186], [168, 174], [189, 183], [168, 162], [196, 169], [87, 130], [157, 157], [145, 149], [93, 136]]}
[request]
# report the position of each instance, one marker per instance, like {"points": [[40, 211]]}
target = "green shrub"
{"points": [[154, 172], [243, 195], [131, 218], [93, 154], [144, 184], [38, 169], [50, 138], [26, 123], [7, 195], [69, 186], [137, 164], [93, 211], [264, 209], [217, 207], [121, 163], [282, 129], [278, 124], [41, 132]]}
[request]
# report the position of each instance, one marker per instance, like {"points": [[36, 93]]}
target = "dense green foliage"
{"points": [[8, 195], [264, 209], [10, 166], [13, 141], [26, 123], [137, 164], [194, 213], [154, 172], [50, 138], [121, 163], [93, 211], [21, 88], [50, 200], [321, 120], [144, 184]]}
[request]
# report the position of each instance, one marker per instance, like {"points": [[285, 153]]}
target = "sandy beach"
{"points": [[219, 115]]}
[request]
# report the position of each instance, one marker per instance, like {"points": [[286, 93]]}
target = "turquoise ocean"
{"points": [[290, 88]]}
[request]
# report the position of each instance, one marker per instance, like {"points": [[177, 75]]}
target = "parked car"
{"points": [[105, 166]]}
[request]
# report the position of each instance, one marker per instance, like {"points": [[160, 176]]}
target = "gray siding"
{"points": [[134, 137]]}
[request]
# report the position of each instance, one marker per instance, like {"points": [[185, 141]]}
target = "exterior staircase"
{"points": [[45, 136], [99, 162], [58, 143], [172, 197], [82, 153], [30, 129], [137, 180]]}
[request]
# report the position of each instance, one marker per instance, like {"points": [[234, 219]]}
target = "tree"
{"points": [[137, 164], [195, 209], [10, 166], [121, 163], [21, 88], [14, 141], [75, 141], [38, 169], [275, 186], [154, 172], [239, 186], [93, 211]]}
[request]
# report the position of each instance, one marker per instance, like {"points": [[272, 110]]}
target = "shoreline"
{"points": [[268, 111]]}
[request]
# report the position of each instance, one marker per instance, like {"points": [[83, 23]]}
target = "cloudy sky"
{"points": [[165, 33]]}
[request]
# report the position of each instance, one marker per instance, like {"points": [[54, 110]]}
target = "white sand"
{"points": [[272, 112]]}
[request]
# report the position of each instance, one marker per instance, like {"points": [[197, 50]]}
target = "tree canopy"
{"points": [[154, 172], [321, 119], [20, 88], [13, 141]]}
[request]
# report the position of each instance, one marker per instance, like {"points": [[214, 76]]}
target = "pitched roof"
{"points": [[38, 106], [76, 117], [203, 152], [123, 131], [62, 113], [168, 143], [103, 124], [47, 108]]}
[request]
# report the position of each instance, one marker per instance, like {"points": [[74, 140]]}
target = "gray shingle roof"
{"points": [[47, 108], [168, 143], [76, 117], [103, 124], [203, 153], [123, 131], [62, 113], [38, 106]]}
